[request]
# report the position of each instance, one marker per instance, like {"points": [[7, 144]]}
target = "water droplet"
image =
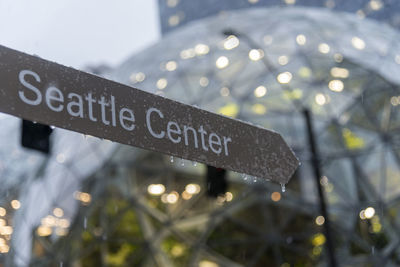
{"points": [[84, 223], [194, 163], [244, 176], [171, 159], [283, 187], [182, 162], [52, 127], [254, 180]]}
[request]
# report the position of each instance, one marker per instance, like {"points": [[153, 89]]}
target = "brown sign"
{"points": [[49, 93]]}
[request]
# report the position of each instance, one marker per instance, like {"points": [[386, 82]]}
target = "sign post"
{"points": [[49, 93]]}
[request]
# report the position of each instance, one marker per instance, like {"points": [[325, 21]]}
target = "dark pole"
{"points": [[317, 174]]}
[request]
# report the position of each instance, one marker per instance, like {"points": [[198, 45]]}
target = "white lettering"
{"points": [[21, 94], [215, 142], [226, 140], [78, 104], [148, 122], [53, 94], [130, 118], [177, 131]]}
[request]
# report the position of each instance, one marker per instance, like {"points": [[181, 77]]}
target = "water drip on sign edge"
{"points": [[171, 159], [283, 187]]}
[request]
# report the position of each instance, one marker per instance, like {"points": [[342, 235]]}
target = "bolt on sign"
{"points": [[49, 93]]}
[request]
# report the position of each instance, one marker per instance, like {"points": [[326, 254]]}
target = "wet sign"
{"points": [[49, 93]]}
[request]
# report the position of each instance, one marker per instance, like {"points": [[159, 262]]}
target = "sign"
{"points": [[49, 93]]}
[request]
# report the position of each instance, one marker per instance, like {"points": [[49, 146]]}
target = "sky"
{"points": [[79, 33]]}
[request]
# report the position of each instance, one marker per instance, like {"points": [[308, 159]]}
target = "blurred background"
{"points": [[323, 73]]}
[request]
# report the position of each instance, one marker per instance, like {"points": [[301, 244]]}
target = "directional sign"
{"points": [[49, 93]]}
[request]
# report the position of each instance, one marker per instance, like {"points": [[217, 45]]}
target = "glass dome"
{"points": [[264, 66]]}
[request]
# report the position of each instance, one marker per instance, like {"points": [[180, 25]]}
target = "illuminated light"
{"points": [[162, 83], [336, 85], [301, 39], [15, 204], [268, 39], [2, 222], [6, 230], [320, 99], [228, 196], [320, 220], [362, 215], [253, 1], [339, 72], [256, 54], [397, 59], [283, 60], [317, 250], [193, 188], [329, 188], [260, 91], [83, 196], [360, 13], [351, 140], [177, 250], [324, 48], [230, 110], [58, 212], [294, 94], [171, 65], [221, 199], [231, 42], [140, 76], [375, 4], [394, 100], [369, 212], [172, 3], [318, 239], [305, 72], [137, 77], [338, 57], [187, 53], [324, 181], [60, 158], [44, 230], [259, 109], [49, 221], [284, 77], [290, 2], [203, 81], [156, 189], [201, 49], [222, 62], [61, 231], [164, 198], [276, 196], [3, 212], [4, 249], [172, 197], [173, 20], [358, 43], [224, 91], [63, 223], [206, 263], [186, 195], [2, 241]]}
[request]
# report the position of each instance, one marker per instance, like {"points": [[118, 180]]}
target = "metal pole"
{"points": [[317, 173]]}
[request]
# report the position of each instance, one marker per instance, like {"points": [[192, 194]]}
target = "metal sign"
{"points": [[49, 93]]}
